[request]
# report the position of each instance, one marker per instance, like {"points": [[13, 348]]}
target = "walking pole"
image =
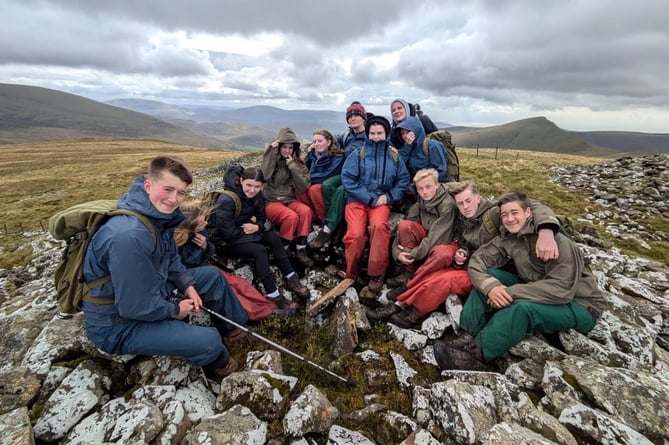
{"points": [[275, 345]]}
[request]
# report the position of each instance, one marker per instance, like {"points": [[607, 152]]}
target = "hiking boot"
{"points": [[283, 303], [398, 280], [452, 358], [406, 319], [295, 285], [375, 284], [464, 342], [383, 313], [320, 240], [235, 335], [287, 312], [225, 371], [394, 293], [303, 258]]}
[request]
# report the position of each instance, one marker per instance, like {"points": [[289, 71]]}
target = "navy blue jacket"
{"points": [[349, 141], [324, 166], [229, 228]]}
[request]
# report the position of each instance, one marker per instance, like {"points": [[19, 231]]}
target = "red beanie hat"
{"points": [[356, 108]]}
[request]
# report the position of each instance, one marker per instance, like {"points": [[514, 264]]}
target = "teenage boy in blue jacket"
{"points": [[143, 318]]}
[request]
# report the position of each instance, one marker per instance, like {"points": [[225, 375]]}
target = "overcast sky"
{"points": [[585, 65]]}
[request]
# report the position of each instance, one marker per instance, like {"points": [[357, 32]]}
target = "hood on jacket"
{"points": [[288, 136], [375, 120], [405, 104], [412, 123], [137, 199]]}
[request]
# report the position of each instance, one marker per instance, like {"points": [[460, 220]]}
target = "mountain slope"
{"points": [[34, 114], [537, 133], [627, 141]]}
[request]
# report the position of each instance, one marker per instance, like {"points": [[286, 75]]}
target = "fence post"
{"points": [[496, 150], [477, 150]]}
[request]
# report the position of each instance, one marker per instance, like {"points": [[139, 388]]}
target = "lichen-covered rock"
{"points": [[236, 425], [15, 427], [311, 412], [338, 435], [600, 427], [266, 394]]}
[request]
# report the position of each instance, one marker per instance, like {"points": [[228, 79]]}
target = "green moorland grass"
{"points": [[41, 179]]}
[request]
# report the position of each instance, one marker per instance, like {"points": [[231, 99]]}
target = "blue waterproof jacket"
{"points": [[415, 157], [193, 255], [350, 141], [142, 275], [378, 172], [324, 166]]}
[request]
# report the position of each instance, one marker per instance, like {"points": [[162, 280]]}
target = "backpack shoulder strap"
{"points": [[488, 224], [143, 218], [235, 198]]}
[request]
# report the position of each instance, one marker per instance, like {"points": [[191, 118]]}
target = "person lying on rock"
{"points": [[544, 296], [144, 275]]}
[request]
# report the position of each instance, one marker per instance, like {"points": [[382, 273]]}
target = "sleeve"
{"points": [[138, 284], [490, 255], [544, 218], [437, 159], [225, 222], [440, 232], [558, 286], [269, 160], [401, 183], [300, 174]]}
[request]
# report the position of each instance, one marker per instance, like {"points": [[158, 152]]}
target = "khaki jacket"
{"points": [[556, 281], [284, 179]]}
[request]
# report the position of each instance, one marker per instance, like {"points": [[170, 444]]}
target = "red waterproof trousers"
{"points": [[314, 199], [292, 219], [364, 222], [432, 290]]}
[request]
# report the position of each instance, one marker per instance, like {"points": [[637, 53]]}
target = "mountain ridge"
{"points": [[34, 114]]}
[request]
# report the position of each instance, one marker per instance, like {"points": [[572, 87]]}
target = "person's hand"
{"points": [[409, 137], [194, 297], [393, 149], [200, 241], [249, 228], [185, 308], [383, 200], [498, 297], [405, 258], [275, 144], [460, 256], [546, 248]]}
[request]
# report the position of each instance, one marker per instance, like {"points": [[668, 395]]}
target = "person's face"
{"points": [[251, 187], [427, 188], [398, 112], [320, 144], [514, 216], [377, 133], [166, 193], [200, 223], [286, 150], [467, 203], [356, 122], [406, 135]]}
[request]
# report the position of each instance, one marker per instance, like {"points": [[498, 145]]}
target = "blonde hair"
{"points": [[192, 210], [426, 173]]}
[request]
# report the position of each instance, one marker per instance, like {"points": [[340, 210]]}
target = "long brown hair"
{"points": [[333, 149]]}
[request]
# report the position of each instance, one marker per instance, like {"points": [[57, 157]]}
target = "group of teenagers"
{"points": [[518, 273]]}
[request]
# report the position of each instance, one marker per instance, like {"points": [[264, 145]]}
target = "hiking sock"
{"points": [[273, 294]]}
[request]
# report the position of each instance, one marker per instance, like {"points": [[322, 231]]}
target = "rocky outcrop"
{"points": [[610, 386]]}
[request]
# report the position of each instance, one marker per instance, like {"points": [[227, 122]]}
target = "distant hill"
{"points": [[628, 141], [303, 122], [34, 114], [537, 133]]}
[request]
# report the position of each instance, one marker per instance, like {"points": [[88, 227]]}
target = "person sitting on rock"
{"points": [[374, 179], [144, 273], [412, 152], [242, 234], [423, 246], [544, 296], [195, 249], [285, 176], [324, 161]]}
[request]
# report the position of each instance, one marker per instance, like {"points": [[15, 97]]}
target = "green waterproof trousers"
{"points": [[333, 196], [495, 331]]}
